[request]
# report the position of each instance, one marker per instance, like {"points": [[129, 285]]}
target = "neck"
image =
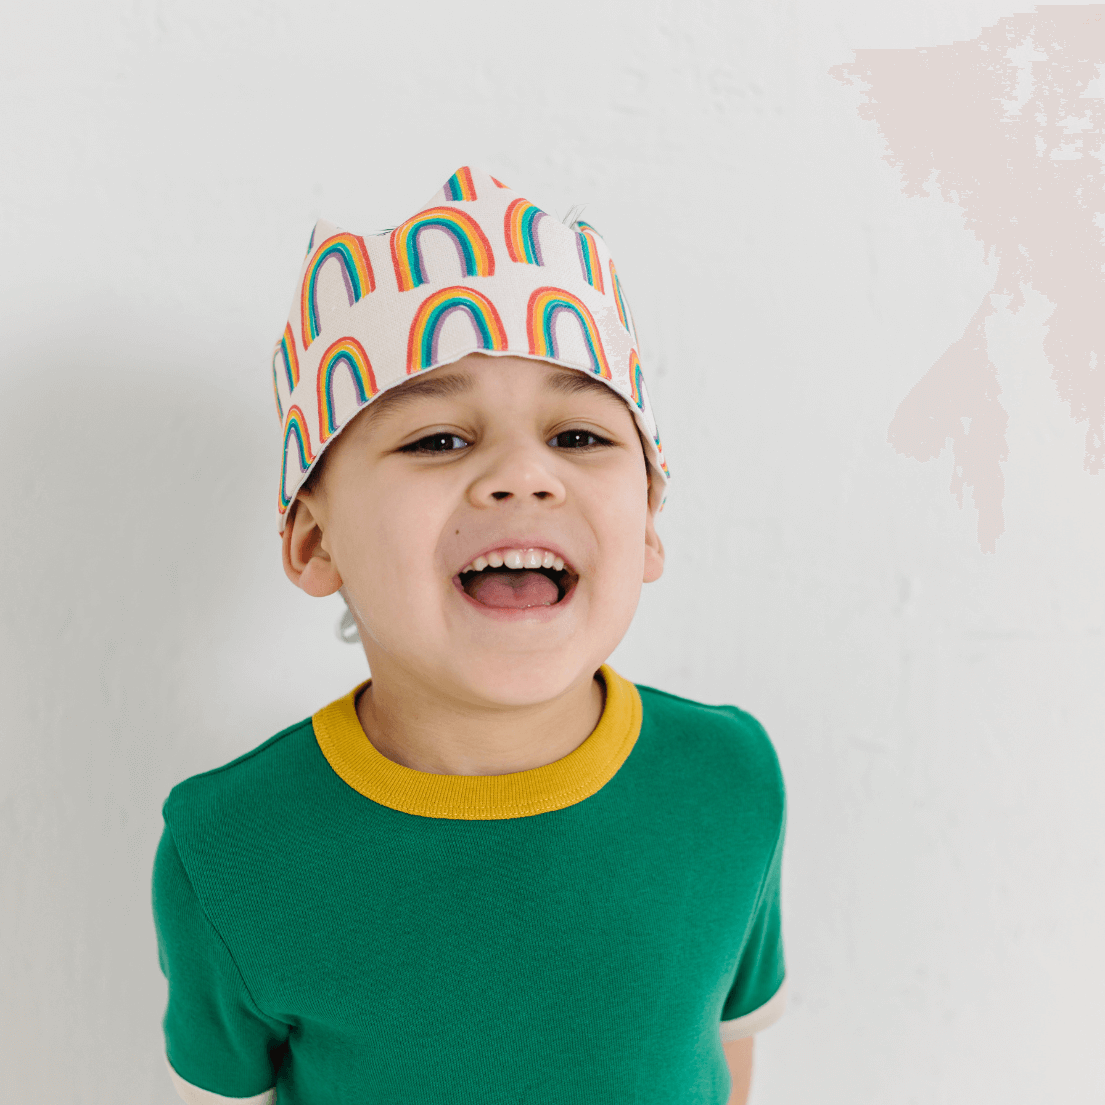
{"points": [[421, 727]]}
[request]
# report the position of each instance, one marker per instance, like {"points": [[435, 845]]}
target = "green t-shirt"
{"points": [[341, 928]]}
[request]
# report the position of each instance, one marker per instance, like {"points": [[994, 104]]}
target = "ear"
{"points": [[307, 562], [654, 550]]}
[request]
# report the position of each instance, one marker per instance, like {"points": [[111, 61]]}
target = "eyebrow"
{"points": [[565, 381], [430, 387], [573, 382]]}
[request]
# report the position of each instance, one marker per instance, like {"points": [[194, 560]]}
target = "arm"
{"points": [[738, 1054], [219, 1046]]}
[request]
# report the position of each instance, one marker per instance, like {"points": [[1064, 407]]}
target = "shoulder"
{"points": [[260, 778], [724, 738], [730, 724]]}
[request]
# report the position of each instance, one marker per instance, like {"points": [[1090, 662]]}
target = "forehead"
{"points": [[473, 375]]}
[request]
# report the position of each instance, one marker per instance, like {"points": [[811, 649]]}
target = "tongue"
{"points": [[517, 589]]}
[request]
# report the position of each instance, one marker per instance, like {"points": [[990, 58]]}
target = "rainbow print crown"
{"points": [[478, 269]]}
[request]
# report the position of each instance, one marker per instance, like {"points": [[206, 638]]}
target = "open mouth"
{"points": [[518, 578]]}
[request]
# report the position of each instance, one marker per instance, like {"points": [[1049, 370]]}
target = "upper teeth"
{"points": [[516, 558]]}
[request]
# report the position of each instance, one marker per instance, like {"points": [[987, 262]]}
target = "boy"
{"points": [[497, 872]]}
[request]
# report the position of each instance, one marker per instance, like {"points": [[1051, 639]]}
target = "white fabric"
{"points": [[193, 1095], [758, 1019]]}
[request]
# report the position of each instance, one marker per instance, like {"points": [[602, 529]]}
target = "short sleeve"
{"points": [[219, 1045], [757, 997]]}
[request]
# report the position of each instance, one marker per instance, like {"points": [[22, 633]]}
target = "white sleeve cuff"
{"points": [[193, 1095], [758, 1019]]}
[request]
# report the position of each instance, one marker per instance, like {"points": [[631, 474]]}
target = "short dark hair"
{"points": [[310, 484]]}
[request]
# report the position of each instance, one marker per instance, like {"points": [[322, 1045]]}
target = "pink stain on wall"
{"points": [[1003, 126]]}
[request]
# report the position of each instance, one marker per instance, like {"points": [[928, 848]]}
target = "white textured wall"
{"points": [[938, 710]]}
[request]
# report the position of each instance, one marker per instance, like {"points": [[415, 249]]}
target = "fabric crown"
{"points": [[477, 269]]}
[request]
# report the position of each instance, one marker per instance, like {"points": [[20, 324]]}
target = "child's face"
{"points": [[485, 455]]}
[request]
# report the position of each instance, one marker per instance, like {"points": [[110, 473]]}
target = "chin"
{"points": [[516, 679]]}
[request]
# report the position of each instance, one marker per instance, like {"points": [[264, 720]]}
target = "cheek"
{"points": [[389, 541], [622, 540]]}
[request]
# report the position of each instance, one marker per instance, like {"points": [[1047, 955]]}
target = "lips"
{"points": [[518, 578]]}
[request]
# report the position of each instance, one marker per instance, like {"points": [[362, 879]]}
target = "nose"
{"points": [[519, 472]]}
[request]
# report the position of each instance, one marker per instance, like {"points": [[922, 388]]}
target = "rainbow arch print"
{"points": [[431, 316], [285, 351], [460, 186], [520, 229], [619, 299], [545, 304], [356, 270], [473, 248], [345, 353], [295, 428], [589, 256], [636, 380], [499, 183], [276, 394], [660, 454]]}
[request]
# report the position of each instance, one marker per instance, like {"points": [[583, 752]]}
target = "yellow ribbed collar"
{"points": [[482, 797]]}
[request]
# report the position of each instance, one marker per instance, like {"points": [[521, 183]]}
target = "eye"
{"points": [[576, 439], [436, 443]]}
